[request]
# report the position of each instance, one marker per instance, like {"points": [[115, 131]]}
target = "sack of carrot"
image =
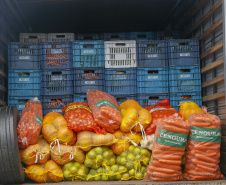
{"points": [[169, 146], [203, 148]]}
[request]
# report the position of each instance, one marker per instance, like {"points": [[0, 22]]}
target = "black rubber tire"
{"points": [[11, 169]]}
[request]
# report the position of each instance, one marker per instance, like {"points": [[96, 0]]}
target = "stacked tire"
{"points": [[11, 169]]}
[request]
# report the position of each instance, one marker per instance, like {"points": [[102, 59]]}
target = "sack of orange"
{"points": [[203, 148], [169, 147]]}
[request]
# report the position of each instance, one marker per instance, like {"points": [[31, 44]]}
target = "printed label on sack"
{"points": [[171, 138], [56, 51], [21, 106], [78, 107], [88, 52], [185, 76], [105, 102], [56, 78], [38, 120], [153, 77], [185, 54], [153, 56], [24, 79], [57, 110], [152, 110], [24, 57], [120, 77], [90, 82], [205, 134]]}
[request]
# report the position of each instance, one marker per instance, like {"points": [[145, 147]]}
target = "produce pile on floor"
{"points": [[104, 141]]}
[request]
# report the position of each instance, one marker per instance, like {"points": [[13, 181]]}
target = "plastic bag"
{"points": [[148, 142], [160, 110], [56, 128], [79, 118], [36, 154], [49, 172], [86, 140], [105, 110], [169, 147], [30, 124], [63, 154], [203, 148]]}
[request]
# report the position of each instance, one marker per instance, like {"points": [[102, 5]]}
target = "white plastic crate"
{"points": [[61, 37], [33, 37], [120, 54]]}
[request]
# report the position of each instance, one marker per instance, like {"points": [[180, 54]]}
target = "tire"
{"points": [[11, 170]]}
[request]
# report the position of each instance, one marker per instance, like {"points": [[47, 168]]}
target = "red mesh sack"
{"points": [[30, 124], [203, 148], [105, 109], [169, 147], [79, 118], [160, 110]]}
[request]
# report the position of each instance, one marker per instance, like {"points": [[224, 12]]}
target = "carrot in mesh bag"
{"points": [[29, 126], [169, 147], [105, 110], [203, 148], [160, 110]]}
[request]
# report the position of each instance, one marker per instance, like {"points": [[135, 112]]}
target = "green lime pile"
{"points": [[75, 171]]}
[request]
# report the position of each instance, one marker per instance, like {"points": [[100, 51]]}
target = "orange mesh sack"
{"points": [[29, 126], [203, 148], [160, 110], [105, 109], [79, 118], [169, 147]]}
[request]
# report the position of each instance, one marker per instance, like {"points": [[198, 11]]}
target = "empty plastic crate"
{"points": [[115, 36], [80, 98], [24, 83], [141, 35], [56, 55], [88, 54], [183, 52], [57, 82], [23, 55], [88, 37], [61, 37], [33, 37], [120, 54], [152, 80], [121, 81], [152, 53], [184, 79], [177, 98], [122, 98], [146, 100], [55, 103]]}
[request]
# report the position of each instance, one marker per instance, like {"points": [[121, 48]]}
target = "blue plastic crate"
{"points": [[152, 53], [80, 98], [88, 54], [141, 35], [23, 55], [24, 83], [177, 98], [183, 52], [57, 82], [88, 78], [152, 80], [122, 98], [121, 81], [55, 103], [20, 101], [56, 55], [115, 36], [167, 35], [149, 99], [88, 37], [184, 79]]}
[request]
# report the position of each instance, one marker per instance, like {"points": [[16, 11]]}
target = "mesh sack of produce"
{"points": [[105, 110], [63, 154], [49, 172], [79, 118], [30, 124], [86, 140], [135, 160], [55, 128], [74, 171], [148, 142], [203, 148], [36, 154], [169, 147], [160, 110]]}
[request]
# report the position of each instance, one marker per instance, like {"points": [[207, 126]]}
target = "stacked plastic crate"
{"points": [[142, 35], [24, 75], [88, 64], [115, 36], [120, 69], [184, 72], [152, 72]]}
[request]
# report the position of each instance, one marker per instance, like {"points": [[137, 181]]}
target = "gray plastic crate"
{"points": [[61, 37], [33, 37]]}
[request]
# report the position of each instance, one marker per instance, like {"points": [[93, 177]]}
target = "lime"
{"points": [[67, 166], [81, 172], [99, 158], [118, 160], [91, 155], [129, 165], [92, 171], [111, 152], [146, 161], [144, 152], [130, 157], [136, 151], [118, 177], [131, 148], [73, 170], [98, 150], [85, 168], [100, 170], [67, 174], [137, 166], [139, 175], [123, 161], [111, 178], [89, 162], [112, 161], [125, 176], [123, 154], [107, 169], [97, 178], [76, 164], [143, 169], [104, 177], [90, 178], [132, 172], [106, 154], [138, 157], [122, 169], [114, 168]]}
